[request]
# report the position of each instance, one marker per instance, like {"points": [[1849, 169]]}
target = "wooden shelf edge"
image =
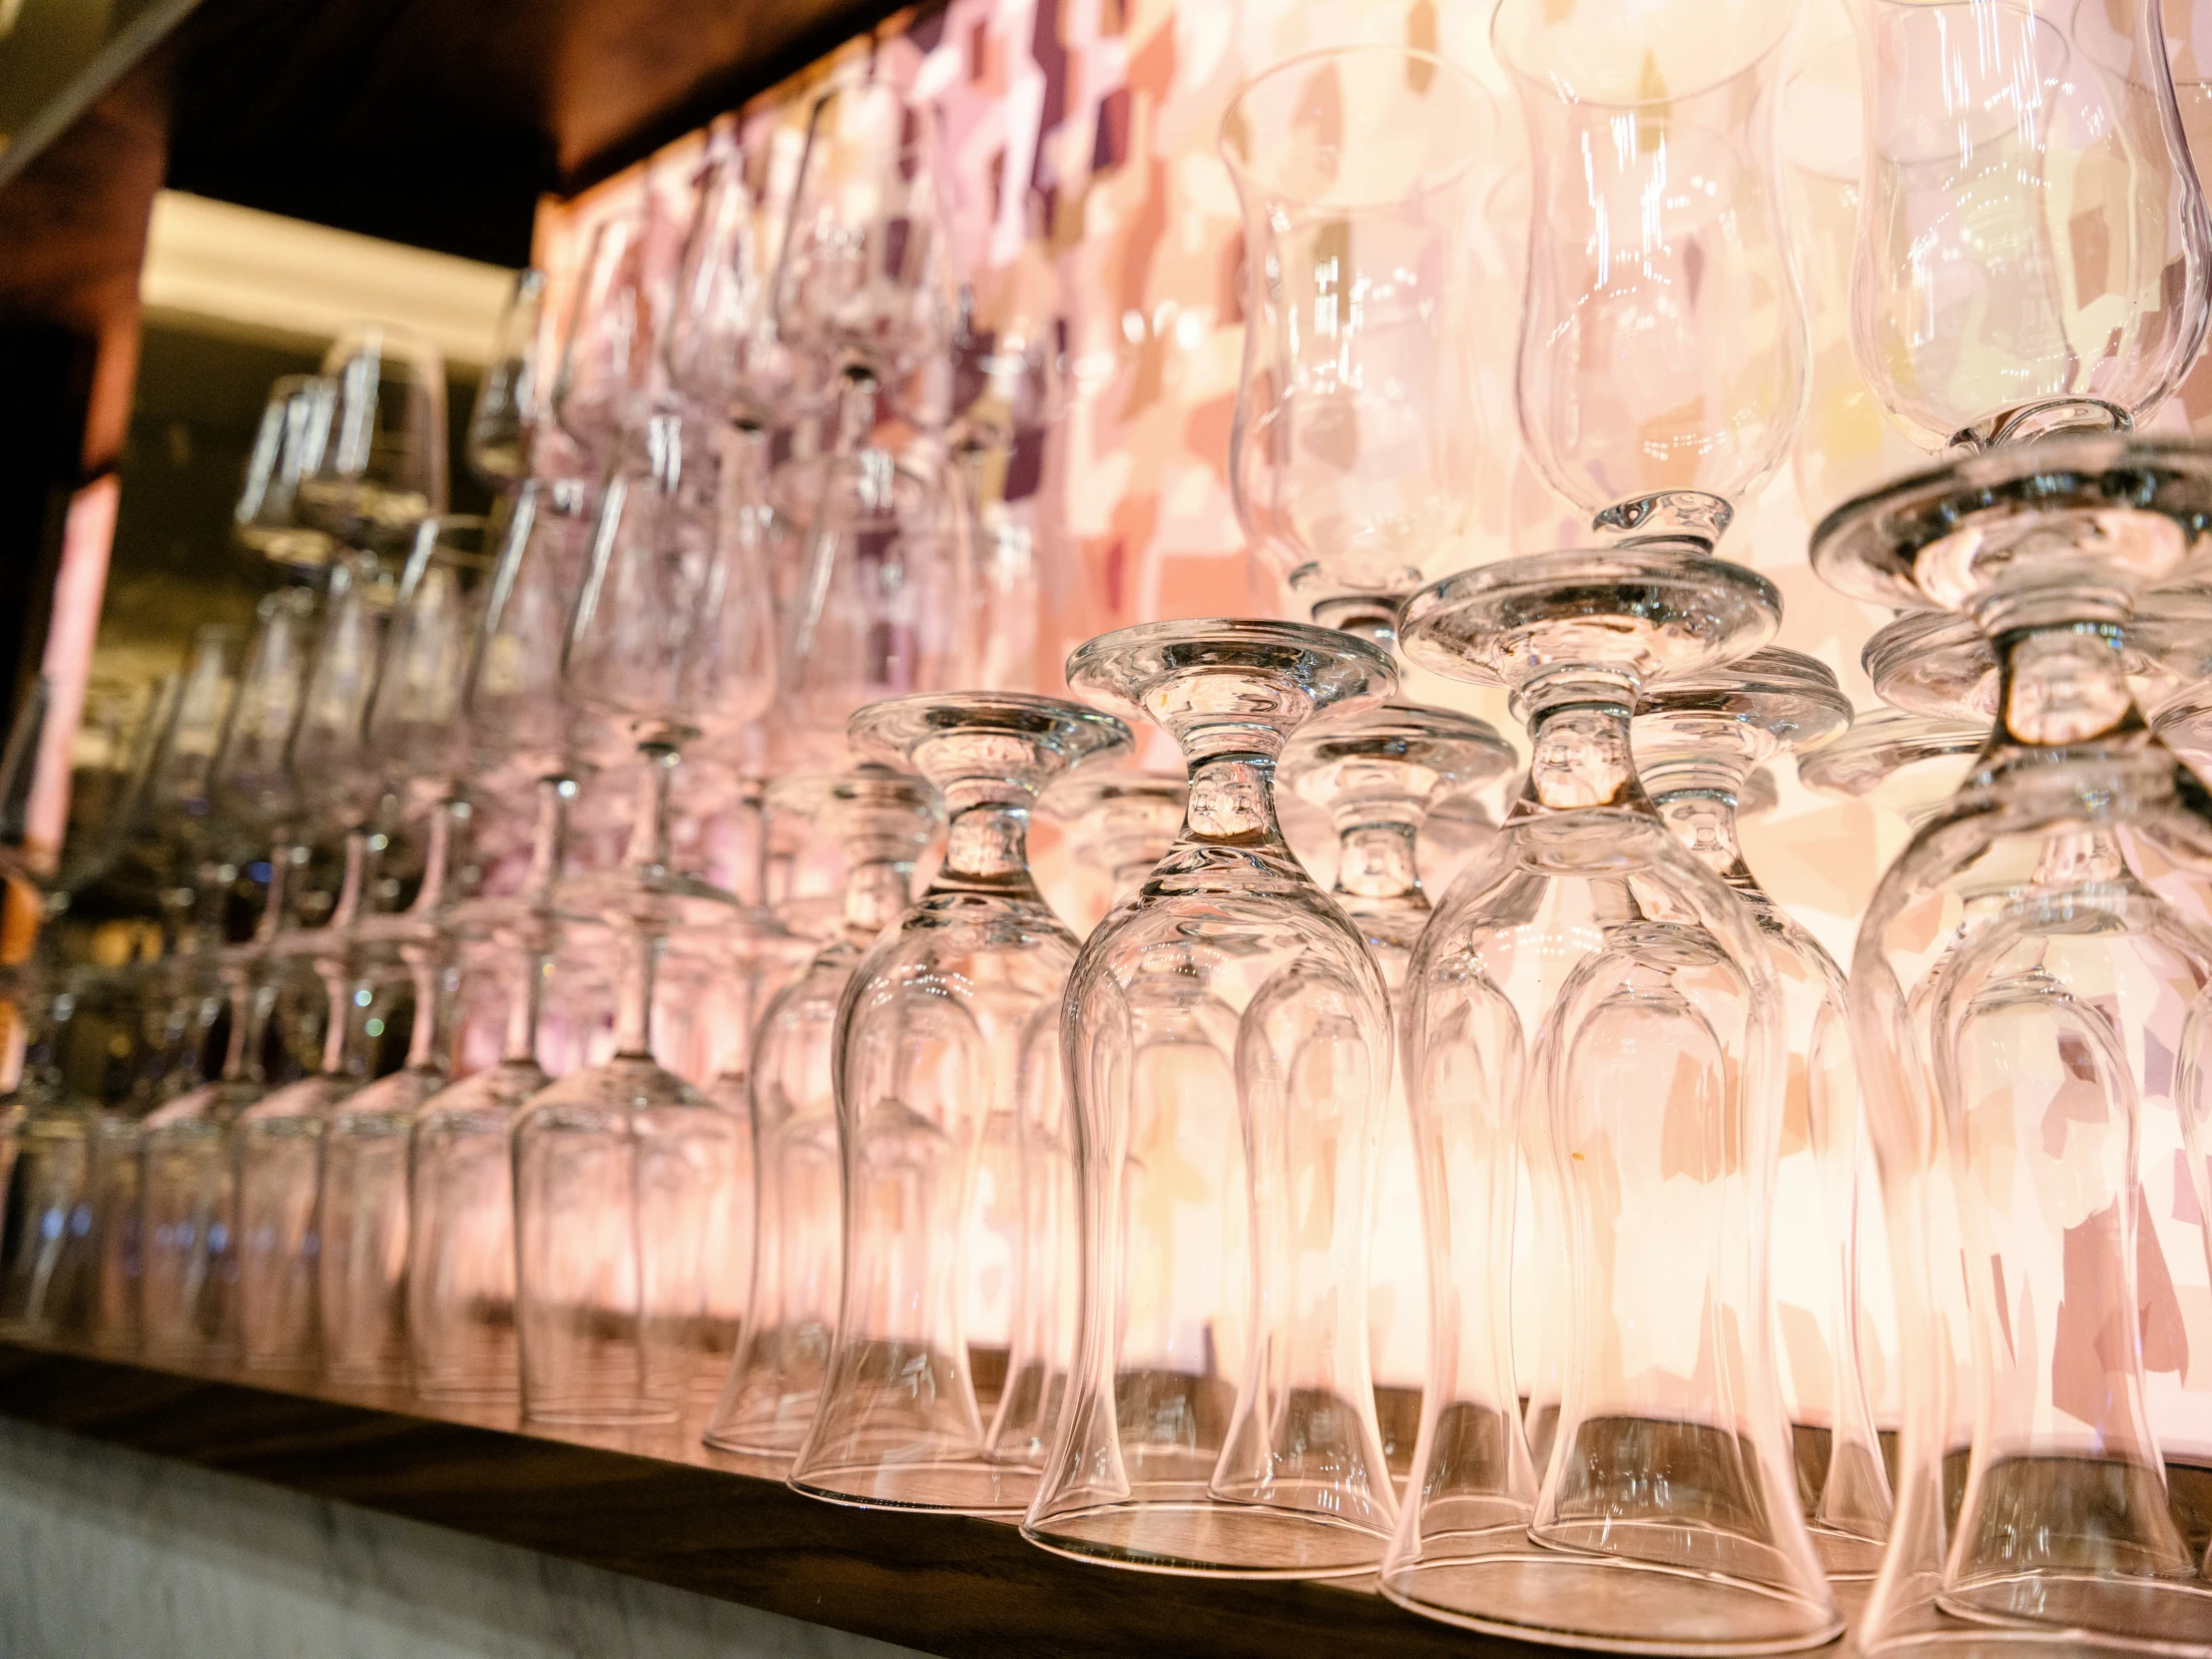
{"points": [[944, 1584]]}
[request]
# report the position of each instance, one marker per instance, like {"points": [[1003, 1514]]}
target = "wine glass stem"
{"points": [[877, 892], [648, 851], [1378, 859], [1232, 798], [275, 916], [446, 818], [548, 840], [986, 849], [425, 1037], [1578, 733], [1698, 800], [641, 962], [525, 999]]}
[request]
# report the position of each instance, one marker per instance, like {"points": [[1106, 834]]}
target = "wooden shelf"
{"points": [[656, 1505]]}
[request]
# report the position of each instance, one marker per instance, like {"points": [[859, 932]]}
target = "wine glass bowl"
{"points": [[2032, 249], [1357, 450], [1663, 351]]}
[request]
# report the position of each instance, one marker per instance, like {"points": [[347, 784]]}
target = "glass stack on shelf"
{"points": [[501, 985]]}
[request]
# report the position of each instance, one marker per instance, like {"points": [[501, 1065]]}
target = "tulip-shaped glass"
{"points": [[946, 1039], [1227, 1042]]}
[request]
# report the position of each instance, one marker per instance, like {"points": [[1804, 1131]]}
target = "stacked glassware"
{"points": [[502, 979]]}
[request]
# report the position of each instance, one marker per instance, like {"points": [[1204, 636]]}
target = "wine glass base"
{"points": [[1648, 611], [1202, 1537], [1502, 1584], [2095, 511], [963, 1486], [1764, 704]]}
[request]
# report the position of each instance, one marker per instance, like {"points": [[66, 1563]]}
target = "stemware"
{"points": [[1697, 738], [1359, 452], [187, 1191], [2021, 989], [1997, 295], [620, 1168], [721, 350], [381, 466], [511, 400], [882, 819], [605, 382], [288, 450], [276, 1144], [863, 277], [1227, 1045], [946, 1038], [1582, 964], [1377, 775], [875, 605], [1120, 823], [460, 1240], [673, 632], [1663, 352], [363, 1181]]}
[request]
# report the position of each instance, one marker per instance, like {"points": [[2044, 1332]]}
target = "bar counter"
{"points": [[656, 1506]]}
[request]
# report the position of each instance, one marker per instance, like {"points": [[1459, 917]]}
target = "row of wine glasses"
{"points": [[1628, 1093]]}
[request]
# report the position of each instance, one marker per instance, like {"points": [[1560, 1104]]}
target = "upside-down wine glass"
{"points": [[187, 1182], [2032, 286], [882, 819], [1584, 956], [277, 1142], [1377, 775], [948, 1035], [1583, 963], [1698, 735], [1228, 1052]]}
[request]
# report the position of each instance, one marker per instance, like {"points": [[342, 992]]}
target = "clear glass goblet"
{"points": [[460, 1239], [381, 467], [511, 400], [2012, 960], [188, 1222], [1358, 449], [1663, 351], [882, 819], [1593, 1010], [1228, 1050], [619, 1170], [722, 350], [1697, 738], [947, 1041], [288, 449], [1377, 775], [2033, 241], [863, 276], [605, 382]]}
